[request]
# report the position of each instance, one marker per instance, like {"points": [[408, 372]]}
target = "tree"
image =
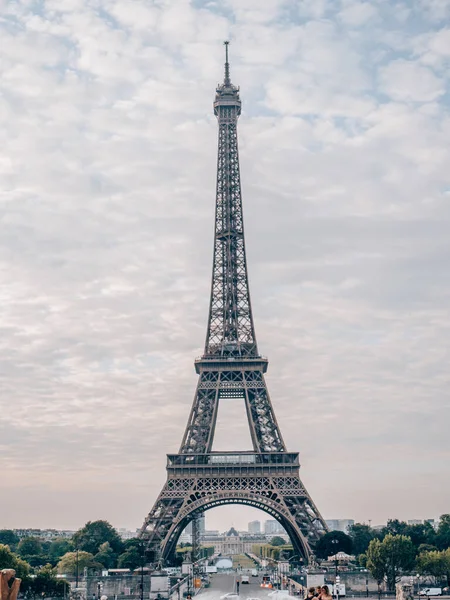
{"points": [[435, 563], [9, 560], [395, 527], [421, 534], [333, 542], [361, 535], [29, 546], [106, 556], [130, 559], [9, 538], [425, 548], [390, 558], [399, 554], [68, 563], [277, 541], [375, 561], [45, 584], [443, 533], [95, 533], [58, 548]]}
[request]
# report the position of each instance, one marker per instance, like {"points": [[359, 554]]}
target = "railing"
{"points": [[233, 458]]}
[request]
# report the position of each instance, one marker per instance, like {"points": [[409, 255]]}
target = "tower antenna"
{"points": [[227, 80]]}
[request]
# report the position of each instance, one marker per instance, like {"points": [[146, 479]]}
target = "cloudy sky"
{"points": [[107, 168]]}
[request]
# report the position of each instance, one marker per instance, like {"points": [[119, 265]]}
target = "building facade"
{"points": [[254, 527], [339, 524], [271, 527]]}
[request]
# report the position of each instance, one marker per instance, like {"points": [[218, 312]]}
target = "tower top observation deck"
{"points": [[227, 94]]}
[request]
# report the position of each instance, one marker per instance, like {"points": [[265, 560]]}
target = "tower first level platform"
{"points": [[268, 481]]}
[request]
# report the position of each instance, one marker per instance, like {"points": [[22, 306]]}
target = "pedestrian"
{"points": [[318, 592], [325, 595], [311, 593]]}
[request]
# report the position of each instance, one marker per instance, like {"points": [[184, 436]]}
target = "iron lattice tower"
{"points": [[231, 367]]}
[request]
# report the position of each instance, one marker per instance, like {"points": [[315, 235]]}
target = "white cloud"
{"points": [[107, 166], [356, 14], [408, 81]]}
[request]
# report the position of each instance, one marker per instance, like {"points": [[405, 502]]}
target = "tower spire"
{"points": [[227, 80]]}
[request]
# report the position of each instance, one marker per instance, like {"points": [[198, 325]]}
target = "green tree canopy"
{"points": [[391, 557], [9, 538], [58, 548], [422, 533], [29, 546], [130, 559], [45, 584], [333, 542], [375, 561], [132, 543], [395, 527], [106, 556], [9, 560], [277, 541], [95, 533], [435, 563], [361, 535], [68, 563], [443, 533]]}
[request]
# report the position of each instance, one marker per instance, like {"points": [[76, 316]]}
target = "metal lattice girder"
{"points": [[193, 489], [232, 383], [199, 479]]}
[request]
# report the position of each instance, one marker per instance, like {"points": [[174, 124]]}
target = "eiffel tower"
{"points": [[267, 477]]}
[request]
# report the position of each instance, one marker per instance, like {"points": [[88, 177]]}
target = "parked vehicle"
{"points": [[245, 579], [266, 582], [431, 592]]}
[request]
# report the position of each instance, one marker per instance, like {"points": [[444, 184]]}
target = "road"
{"points": [[225, 584]]}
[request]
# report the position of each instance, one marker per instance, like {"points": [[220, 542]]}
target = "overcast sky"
{"points": [[107, 166]]}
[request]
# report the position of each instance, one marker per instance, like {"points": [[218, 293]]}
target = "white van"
{"points": [[254, 572], [431, 592], [245, 579]]}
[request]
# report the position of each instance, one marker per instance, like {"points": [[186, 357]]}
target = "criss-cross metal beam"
{"points": [[231, 367]]}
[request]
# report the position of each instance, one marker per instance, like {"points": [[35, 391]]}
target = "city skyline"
{"points": [[108, 171]]}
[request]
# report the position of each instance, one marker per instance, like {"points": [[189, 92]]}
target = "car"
{"points": [[245, 579], [431, 592]]}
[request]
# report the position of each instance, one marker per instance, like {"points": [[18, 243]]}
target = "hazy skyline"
{"points": [[107, 170]]}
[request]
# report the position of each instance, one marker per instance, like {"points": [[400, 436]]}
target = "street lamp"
{"points": [[335, 543], [76, 576], [367, 583], [142, 552]]}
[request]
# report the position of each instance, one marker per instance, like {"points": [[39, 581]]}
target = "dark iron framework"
{"points": [[231, 367]]}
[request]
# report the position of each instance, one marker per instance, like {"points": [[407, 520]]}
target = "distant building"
{"points": [[271, 527], [433, 522], [254, 527], [125, 534], [201, 526], [185, 538], [415, 522], [44, 534], [339, 524], [233, 542]]}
